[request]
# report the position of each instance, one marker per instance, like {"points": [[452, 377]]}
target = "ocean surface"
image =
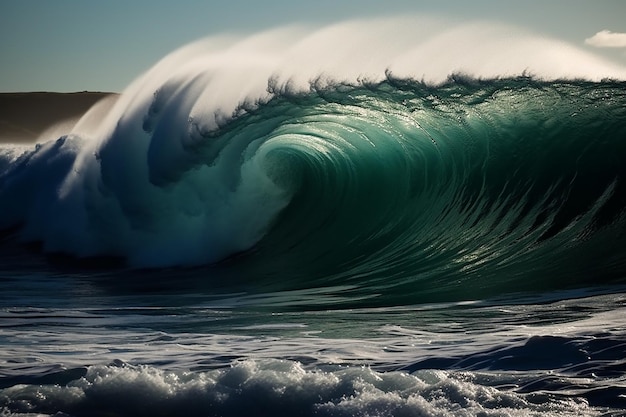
{"points": [[242, 232]]}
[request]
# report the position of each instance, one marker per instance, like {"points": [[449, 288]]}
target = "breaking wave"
{"points": [[337, 158]]}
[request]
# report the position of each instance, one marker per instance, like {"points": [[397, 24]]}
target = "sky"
{"points": [[77, 45]]}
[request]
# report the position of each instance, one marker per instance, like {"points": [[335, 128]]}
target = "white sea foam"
{"points": [[273, 388]]}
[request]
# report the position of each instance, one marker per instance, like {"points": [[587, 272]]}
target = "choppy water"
{"points": [[93, 350], [285, 239]]}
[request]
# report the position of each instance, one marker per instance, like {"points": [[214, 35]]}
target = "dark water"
{"points": [[387, 247]]}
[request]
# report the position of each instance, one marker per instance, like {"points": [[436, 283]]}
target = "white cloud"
{"points": [[607, 39]]}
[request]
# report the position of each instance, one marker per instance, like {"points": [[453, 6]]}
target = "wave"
{"points": [[323, 166]]}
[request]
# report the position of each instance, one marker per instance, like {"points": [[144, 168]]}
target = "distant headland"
{"points": [[25, 116]]}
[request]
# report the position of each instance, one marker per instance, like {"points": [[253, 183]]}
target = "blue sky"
{"points": [[75, 45]]}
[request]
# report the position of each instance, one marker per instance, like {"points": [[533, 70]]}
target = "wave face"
{"points": [[422, 190], [470, 185]]}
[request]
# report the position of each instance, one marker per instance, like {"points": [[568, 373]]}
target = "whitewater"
{"points": [[388, 217]]}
